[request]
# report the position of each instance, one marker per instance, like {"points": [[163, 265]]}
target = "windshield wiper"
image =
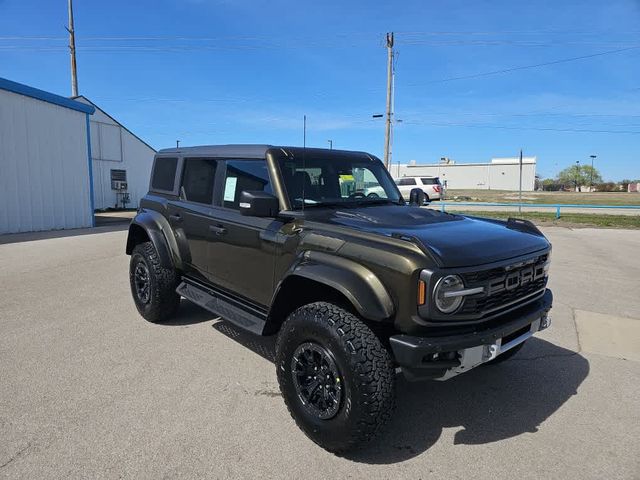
{"points": [[322, 204], [350, 203], [372, 201]]}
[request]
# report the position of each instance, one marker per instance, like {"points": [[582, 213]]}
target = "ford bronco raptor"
{"points": [[357, 286]]}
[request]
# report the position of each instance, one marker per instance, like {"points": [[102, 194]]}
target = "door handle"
{"points": [[218, 229], [176, 218]]}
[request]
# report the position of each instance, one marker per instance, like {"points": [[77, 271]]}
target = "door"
{"points": [[243, 248], [190, 215]]}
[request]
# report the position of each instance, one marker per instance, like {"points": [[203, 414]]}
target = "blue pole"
{"points": [[558, 211]]}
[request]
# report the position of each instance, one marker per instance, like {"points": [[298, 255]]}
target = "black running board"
{"points": [[222, 305]]}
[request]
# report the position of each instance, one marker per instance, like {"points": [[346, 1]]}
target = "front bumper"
{"points": [[444, 357]]}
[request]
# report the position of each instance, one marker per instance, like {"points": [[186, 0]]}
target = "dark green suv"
{"points": [[319, 247]]}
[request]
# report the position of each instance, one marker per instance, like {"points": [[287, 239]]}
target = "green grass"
{"points": [[574, 198], [566, 220]]}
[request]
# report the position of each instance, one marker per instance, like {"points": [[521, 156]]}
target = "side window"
{"points": [[429, 181], [244, 175], [197, 179], [406, 181], [164, 174]]}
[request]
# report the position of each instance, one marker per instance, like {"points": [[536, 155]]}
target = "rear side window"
{"points": [[164, 174], [406, 181], [244, 175], [198, 179], [430, 181]]}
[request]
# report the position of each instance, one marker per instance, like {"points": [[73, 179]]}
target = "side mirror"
{"points": [[417, 197], [255, 203]]}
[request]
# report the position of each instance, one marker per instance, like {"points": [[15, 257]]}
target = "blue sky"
{"points": [[224, 71]]}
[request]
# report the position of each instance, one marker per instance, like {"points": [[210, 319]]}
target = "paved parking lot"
{"points": [[91, 390]]}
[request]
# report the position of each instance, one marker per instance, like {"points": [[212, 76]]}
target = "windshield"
{"points": [[330, 180]]}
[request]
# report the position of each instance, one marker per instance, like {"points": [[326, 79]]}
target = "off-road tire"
{"points": [[506, 355], [163, 300], [365, 365]]}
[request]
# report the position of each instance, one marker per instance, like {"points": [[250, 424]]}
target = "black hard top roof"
{"points": [[253, 151], [244, 151]]}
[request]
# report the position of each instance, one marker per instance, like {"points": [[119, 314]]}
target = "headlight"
{"points": [[445, 294], [547, 264]]}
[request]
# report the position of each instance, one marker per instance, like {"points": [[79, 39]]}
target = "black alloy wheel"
{"points": [[141, 282], [317, 380]]}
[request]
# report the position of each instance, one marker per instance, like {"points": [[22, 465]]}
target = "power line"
{"points": [[525, 67], [505, 127]]}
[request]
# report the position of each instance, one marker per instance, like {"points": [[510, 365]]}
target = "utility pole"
{"points": [[520, 189], [72, 49], [387, 132]]}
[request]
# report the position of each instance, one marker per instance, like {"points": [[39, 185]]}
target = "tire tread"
{"points": [[370, 361], [165, 300]]}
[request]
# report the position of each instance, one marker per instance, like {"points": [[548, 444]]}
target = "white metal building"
{"points": [[499, 174], [45, 163], [121, 161]]}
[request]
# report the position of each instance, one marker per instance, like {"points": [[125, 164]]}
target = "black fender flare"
{"points": [[157, 228], [357, 283]]}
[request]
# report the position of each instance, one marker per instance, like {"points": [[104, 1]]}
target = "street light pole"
{"points": [[577, 173], [330, 144], [593, 157]]}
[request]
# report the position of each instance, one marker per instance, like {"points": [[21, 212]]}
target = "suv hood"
{"points": [[454, 240]]}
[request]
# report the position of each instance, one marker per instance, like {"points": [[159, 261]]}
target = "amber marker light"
{"points": [[422, 292]]}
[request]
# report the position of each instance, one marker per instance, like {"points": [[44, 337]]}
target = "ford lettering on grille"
{"points": [[505, 286]]}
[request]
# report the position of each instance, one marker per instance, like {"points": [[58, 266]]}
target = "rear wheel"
{"points": [[336, 377], [153, 286]]}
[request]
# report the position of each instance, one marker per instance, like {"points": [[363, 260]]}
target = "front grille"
{"points": [[504, 286]]}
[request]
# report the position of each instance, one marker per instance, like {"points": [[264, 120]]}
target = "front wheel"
{"points": [[152, 285], [336, 377]]}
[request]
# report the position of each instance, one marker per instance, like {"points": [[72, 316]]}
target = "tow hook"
{"points": [[490, 352], [545, 321]]}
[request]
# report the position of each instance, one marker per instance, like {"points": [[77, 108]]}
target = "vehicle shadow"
{"points": [[489, 404]]}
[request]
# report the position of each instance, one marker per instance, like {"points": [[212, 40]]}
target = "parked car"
{"points": [[284, 241], [431, 186]]}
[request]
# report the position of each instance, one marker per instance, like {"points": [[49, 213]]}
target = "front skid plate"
{"points": [[475, 356]]}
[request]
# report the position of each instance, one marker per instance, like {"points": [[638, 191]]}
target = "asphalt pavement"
{"points": [[91, 390]]}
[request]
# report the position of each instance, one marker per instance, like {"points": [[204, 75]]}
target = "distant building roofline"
{"points": [[48, 97], [500, 161]]}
